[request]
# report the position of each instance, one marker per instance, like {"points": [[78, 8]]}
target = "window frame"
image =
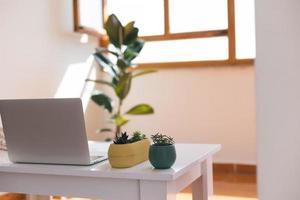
{"points": [[167, 36]]}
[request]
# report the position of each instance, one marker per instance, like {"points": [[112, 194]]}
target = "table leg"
{"points": [[158, 190], [203, 186], [37, 197]]}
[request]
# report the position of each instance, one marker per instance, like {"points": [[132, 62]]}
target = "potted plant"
{"points": [[162, 153], [117, 62], [126, 152]]}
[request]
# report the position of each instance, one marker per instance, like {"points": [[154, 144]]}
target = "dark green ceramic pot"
{"points": [[162, 157]]}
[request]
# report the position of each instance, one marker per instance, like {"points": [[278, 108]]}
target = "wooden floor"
{"points": [[12, 196], [227, 186]]}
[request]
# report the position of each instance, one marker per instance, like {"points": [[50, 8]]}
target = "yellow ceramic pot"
{"points": [[128, 155]]}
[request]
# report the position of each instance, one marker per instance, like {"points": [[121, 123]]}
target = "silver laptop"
{"points": [[46, 131]]}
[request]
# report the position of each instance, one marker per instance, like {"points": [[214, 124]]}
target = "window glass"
{"points": [[184, 50], [197, 15], [245, 28], [90, 13], [148, 15]]}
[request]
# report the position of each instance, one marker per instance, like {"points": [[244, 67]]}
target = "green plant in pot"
{"points": [[117, 62], [162, 153], [128, 151]]}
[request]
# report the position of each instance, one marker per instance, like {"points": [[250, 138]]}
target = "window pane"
{"points": [[185, 50], [197, 15], [245, 28], [148, 15], [90, 13]]}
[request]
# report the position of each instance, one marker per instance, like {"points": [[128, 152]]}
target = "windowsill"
{"points": [[193, 64]]}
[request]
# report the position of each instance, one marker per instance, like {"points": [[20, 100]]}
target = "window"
{"points": [[179, 33]]}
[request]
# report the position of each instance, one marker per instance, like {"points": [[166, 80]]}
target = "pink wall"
{"points": [[203, 105]]}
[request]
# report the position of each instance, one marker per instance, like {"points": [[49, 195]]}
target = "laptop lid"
{"points": [[45, 131]]}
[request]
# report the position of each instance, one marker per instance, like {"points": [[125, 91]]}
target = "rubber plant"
{"points": [[117, 62]]}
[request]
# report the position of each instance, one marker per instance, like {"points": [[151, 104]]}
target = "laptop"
{"points": [[47, 131]]}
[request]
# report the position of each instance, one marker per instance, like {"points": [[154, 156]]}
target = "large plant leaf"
{"points": [[115, 81], [103, 100], [144, 72], [114, 30], [133, 50], [101, 82], [120, 120], [103, 63], [105, 50], [123, 64], [130, 33], [141, 109], [130, 55], [128, 28], [103, 130], [131, 36], [123, 85], [106, 64]]}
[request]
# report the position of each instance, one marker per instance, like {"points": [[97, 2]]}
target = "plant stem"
{"points": [[118, 128]]}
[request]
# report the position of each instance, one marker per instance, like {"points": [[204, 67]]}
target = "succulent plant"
{"points": [[161, 140], [137, 136], [122, 139]]}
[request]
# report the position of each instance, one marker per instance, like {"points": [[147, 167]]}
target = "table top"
{"points": [[187, 156]]}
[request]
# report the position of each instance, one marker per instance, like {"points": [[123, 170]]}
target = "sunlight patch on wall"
{"points": [[84, 38], [73, 84]]}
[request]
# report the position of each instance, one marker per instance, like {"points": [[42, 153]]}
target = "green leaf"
{"points": [[141, 109], [115, 81], [133, 50], [130, 54], [130, 33], [108, 139], [103, 130], [128, 28], [120, 120], [123, 64], [143, 72], [101, 82], [106, 64], [131, 37], [114, 30], [103, 100], [103, 58], [123, 86], [105, 50]]}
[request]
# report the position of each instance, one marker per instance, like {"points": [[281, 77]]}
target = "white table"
{"points": [[142, 182]]}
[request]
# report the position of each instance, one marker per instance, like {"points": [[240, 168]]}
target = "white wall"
{"points": [[205, 104], [200, 105], [37, 44], [278, 99]]}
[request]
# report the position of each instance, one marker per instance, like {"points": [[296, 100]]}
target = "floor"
{"points": [[227, 186]]}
